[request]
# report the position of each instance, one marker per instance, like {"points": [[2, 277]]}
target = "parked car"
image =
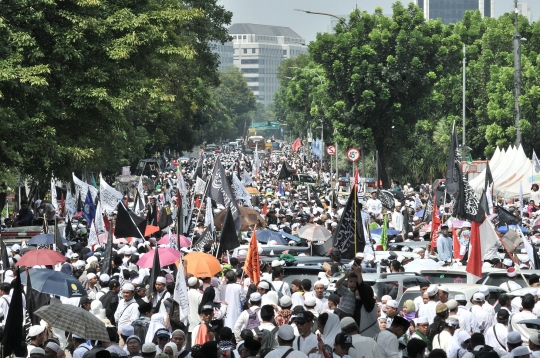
{"points": [[497, 278]]}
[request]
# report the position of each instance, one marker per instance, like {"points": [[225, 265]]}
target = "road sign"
{"points": [[331, 150], [353, 154]]}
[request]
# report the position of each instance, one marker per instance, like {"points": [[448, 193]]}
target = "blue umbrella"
{"points": [[44, 239], [265, 236], [388, 231], [420, 213], [289, 236], [54, 282], [504, 229]]}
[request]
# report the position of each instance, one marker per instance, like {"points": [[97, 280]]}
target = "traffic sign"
{"points": [[353, 154], [331, 150]]}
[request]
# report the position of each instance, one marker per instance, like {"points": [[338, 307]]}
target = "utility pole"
{"points": [[517, 73], [464, 98]]}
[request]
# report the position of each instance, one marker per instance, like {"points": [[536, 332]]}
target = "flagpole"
{"points": [[355, 218]]}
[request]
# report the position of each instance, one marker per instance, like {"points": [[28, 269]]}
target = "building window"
{"points": [[251, 61], [245, 50], [234, 37], [284, 52], [253, 50], [244, 37]]}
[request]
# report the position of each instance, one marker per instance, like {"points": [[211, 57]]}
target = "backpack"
{"points": [[485, 352], [279, 292], [253, 320]]}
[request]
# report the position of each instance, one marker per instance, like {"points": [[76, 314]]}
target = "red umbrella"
{"points": [[104, 237], [184, 241], [167, 256], [41, 257], [150, 230]]}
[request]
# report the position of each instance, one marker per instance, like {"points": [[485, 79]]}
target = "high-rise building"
{"points": [[525, 10], [226, 54], [452, 11], [258, 51]]}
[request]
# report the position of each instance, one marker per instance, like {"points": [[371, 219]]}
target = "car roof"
{"points": [[454, 287], [523, 291]]}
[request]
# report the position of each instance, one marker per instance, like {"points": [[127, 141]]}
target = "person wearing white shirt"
{"points": [[388, 339], [279, 285], [243, 319], [194, 299], [285, 340], [419, 301], [486, 306], [267, 317], [362, 346], [321, 303], [128, 309], [443, 339], [397, 218], [481, 316], [527, 302], [496, 334], [306, 342], [428, 309], [467, 321], [374, 205], [5, 299], [511, 284]]}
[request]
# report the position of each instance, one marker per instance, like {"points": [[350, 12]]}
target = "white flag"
{"points": [[172, 241], [54, 199], [200, 185], [140, 188], [240, 190], [246, 178], [109, 196], [490, 199], [71, 209], [256, 162], [92, 236], [181, 184], [535, 162], [180, 293], [209, 217], [100, 223], [81, 189]]}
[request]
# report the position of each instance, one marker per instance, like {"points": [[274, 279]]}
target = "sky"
{"points": [[281, 12]]}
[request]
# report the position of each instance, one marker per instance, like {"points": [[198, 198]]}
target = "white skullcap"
{"points": [[392, 303], [421, 320], [432, 290], [162, 280], [51, 345], [91, 276], [104, 278], [128, 287]]}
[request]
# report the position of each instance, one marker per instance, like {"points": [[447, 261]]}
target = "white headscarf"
{"points": [[271, 298], [156, 322], [331, 329]]}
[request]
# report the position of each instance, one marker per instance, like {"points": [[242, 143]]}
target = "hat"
{"points": [[511, 272], [392, 303], [255, 297], [208, 307], [162, 280], [276, 263], [346, 321], [343, 339], [452, 321], [463, 337], [127, 330], [386, 298], [514, 337], [163, 332], [533, 338], [38, 351], [286, 332], [148, 348], [444, 289], [285, 301], [432, 290], [104, 278], [252, 344], [507, 262], [192, 281], [128, 287], [478, 297], [444, 225], [133, 337], [35, 330], [264, 285], [520, 351], [451, 304], [85, 300], [51, 345], [310, 301], [460, 297], [421, 320], [483, 290], [441, 307], [91, 276]]}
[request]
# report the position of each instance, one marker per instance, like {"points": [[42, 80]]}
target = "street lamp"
{"points": [[517, 72], [341, 19]]}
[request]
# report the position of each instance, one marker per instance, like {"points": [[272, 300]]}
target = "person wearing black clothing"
{"points": [[151, 217], [110, 300], [25, 216], [365, 311]]}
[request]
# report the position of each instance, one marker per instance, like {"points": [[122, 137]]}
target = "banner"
{"points": [[205, 238], [252, 266], [54, 199], [180, 183], [535, 162], [109, 196], [180, 294], [452, 174], [89, 210], [349, 238], [246, 178], [71, 209], [81, 189], [140, 187], [92, 236], [428, 211], [200, 185], [387, 199], [240, 191], [100, 224], [221, 192], [209, 215]]}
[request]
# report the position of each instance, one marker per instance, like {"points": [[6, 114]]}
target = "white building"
{"points": [[259, 50], [525, 10], [226, 54]]}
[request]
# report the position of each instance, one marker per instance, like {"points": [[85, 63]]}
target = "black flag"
{"points": [[387, 199], [206, 238], [30, 301], [452, 175], [285, 172], [128, 224], [317, 198], [58, 238], [155, 272], [229, 237], [106, 266], [179, 221], [489, 178], [428, 211], [5, 258], [13, 338], [68, 231], [344, 239], [473, 211], [506, 217], [2, 201], [165, 217], [221, 192], [406, 223]]}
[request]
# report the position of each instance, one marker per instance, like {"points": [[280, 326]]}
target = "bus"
{"points": [[256, 141]]}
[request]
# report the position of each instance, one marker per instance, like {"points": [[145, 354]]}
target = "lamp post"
{"points": [[517, 72], [341, 19]]}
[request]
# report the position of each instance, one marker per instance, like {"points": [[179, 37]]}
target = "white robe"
{"points": [[234, 295]]}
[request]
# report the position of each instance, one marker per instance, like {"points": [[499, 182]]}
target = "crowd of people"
{"points": [[337, 315]]}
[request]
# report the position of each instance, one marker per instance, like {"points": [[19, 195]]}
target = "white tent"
{"points": [[479, 181]]}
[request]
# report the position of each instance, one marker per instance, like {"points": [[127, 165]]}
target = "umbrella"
{"points": [[249, 219], [421, 264], [426, 228], [41, 257], [419, 213], [75, 320], [266, 236], [105, 236], [252, 190], [289, 236], [184, 241], [303, 228], [388, 231], [316, 233], [54, 282], [504, 229], [457, 223], [167, 256], [150, 230], [44, 239], [200, 264]]}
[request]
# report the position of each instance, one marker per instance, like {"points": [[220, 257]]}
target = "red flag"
{"points": [[107, 223], [435, 223], [252, 266], [474, 265], [296, 145], [356, 178], [197, 202], [457, 247], [264, 210]]}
